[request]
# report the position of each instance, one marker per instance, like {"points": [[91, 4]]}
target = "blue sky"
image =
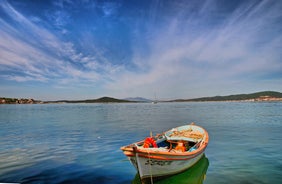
{"points": [[64, 49]]}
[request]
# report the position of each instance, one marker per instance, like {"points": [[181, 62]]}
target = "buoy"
{"points": [[149, 141]]}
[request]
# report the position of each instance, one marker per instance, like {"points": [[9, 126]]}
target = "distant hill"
{"points": [[99, 100], [259, 96]]}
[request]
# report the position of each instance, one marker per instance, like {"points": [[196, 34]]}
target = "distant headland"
{"points": [[252, 97]]}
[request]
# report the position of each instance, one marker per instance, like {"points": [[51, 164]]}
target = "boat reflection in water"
{"points": [[196, 174]]}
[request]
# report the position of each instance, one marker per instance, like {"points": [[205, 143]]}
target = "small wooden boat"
{"points": [[195, 174], [168, 153]]}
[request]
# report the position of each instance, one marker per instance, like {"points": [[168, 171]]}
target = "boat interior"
{"points": [[171, 145]]}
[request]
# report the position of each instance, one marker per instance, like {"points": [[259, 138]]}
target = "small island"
{"points": [[99, 100]]}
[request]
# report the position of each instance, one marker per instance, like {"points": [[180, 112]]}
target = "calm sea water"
{"points": [[79, 143]]}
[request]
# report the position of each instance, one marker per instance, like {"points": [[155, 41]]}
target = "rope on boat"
{"points": [[150, 168], [136, 157]]}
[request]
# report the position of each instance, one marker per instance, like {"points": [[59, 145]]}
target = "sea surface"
{"points": [[80, 143]]}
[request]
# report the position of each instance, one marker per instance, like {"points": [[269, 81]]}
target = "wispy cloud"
{"points": [[244, 45], [38, 54]]}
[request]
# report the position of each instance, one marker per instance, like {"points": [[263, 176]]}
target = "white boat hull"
{"points": [[147, 167]]}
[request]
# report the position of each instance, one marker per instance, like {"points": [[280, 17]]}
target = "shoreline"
{"points": [[264, 96], [30, 101]]}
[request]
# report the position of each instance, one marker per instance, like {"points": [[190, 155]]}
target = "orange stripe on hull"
{"points": [[144, 155]]}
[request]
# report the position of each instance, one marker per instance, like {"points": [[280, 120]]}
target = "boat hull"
{"points": [[155, 168], [194, 174]]}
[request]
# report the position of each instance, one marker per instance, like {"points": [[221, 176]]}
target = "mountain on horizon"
{"points": [[138, 99]]}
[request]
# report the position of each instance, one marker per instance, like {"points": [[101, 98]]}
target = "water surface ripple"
{"points": [[79, 143]]}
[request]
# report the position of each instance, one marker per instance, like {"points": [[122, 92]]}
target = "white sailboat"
{"points": [[155, 101]]}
